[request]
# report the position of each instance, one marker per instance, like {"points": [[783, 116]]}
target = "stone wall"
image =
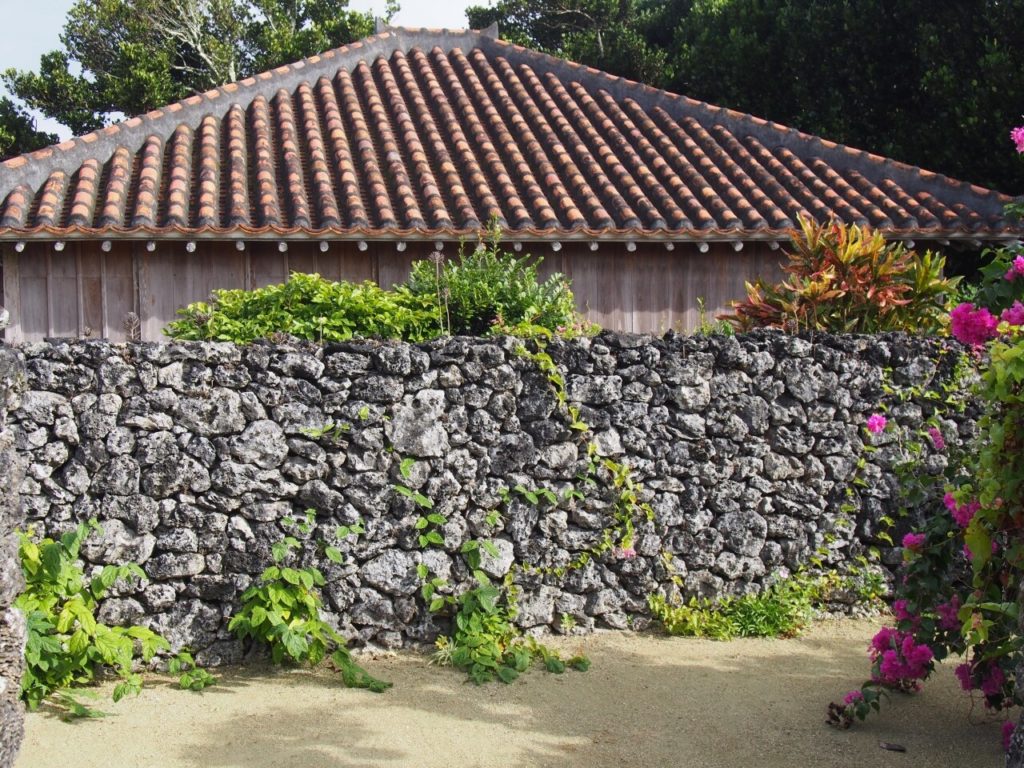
{"points": [[12, 625], [192, 454]]}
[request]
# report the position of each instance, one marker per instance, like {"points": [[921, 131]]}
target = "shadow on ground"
{"points": [[647, 701]]}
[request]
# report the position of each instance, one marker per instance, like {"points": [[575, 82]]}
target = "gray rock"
{"points": [[218, 414], [116, 543], [537, 609], [595, 390], [175, 566], [393, 573], [262, 443], [497, 566], [120, 477], [416, 427], [120, 612]]}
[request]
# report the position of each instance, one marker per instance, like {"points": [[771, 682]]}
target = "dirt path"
{"points": [[647, 701]]}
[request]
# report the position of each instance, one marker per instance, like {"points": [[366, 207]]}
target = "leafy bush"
{"points": [[488, 290], [309, 307], [282, 611], [848, 279], [486, 643], [67, 646], [781, 610]]}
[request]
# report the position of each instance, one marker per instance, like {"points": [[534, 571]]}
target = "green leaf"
{"points": [[490, 548]]}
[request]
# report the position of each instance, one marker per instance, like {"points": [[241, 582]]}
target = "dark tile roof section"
{"points": [[435, 132]]}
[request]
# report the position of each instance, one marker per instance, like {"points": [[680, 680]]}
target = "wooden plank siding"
{"points": [[85, 292]]}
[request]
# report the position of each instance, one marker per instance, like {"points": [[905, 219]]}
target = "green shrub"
{"points": [[781, 610], [486, 643], [848, 279], [67, 647], [488, 290], [282, 611], [309, 307]]}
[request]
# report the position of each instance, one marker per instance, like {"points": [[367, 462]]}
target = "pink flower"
{"points": [[1015, 314], [882, 640], [899, 660], [992, 682], [963, 674], [876, 423], [950, 501], [973, 326], [948, 613], [853, 697], [1016, 269], [964, 513], [625, 553], [1008, 728], [938, 441], [1017, 137], [913, 542]]}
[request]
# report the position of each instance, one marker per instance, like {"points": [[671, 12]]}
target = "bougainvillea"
{"points": [[957, 591]]}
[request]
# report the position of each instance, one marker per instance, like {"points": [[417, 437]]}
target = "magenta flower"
{"points": [[938, 441], [876, 423], [1008, 728], [899, 660], [1017, 137], [948, 613], [1016, 269], [964, 513], [1015, 314], [973, 326], [913, 542], [992, 681], [963, 674], [950, 501], [853, 697]]}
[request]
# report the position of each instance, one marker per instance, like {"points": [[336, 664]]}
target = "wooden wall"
{"points": [[86, 292]]}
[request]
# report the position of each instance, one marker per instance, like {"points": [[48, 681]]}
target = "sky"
{"points": [[39, 23]]}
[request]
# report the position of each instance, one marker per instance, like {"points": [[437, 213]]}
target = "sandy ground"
{"points": [[646, 701]]}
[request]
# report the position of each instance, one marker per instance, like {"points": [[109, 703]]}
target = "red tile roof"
{"points": [[432, 133]]}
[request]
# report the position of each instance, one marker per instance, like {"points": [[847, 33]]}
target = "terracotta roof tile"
{"points": [[434, 132]]}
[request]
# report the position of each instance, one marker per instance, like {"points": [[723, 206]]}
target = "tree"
{"points": [[136, 55], [934, 84], [18, 132], [613, 35]]}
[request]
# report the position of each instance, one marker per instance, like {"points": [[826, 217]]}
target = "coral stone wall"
{"points": [[191, 455], [12, 624]]}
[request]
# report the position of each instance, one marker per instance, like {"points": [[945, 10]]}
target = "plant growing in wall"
{"points": [[486, 642], [67, 646], [282, 611]]}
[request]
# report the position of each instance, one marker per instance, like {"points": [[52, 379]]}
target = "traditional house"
{"points": [[355, 162]]}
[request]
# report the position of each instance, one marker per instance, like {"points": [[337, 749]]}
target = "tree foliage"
{"points": [[619, 36], [931, 84], [124, 57], [18, 132]]}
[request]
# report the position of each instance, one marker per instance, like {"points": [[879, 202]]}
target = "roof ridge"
{"points": [[137, 128]]}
